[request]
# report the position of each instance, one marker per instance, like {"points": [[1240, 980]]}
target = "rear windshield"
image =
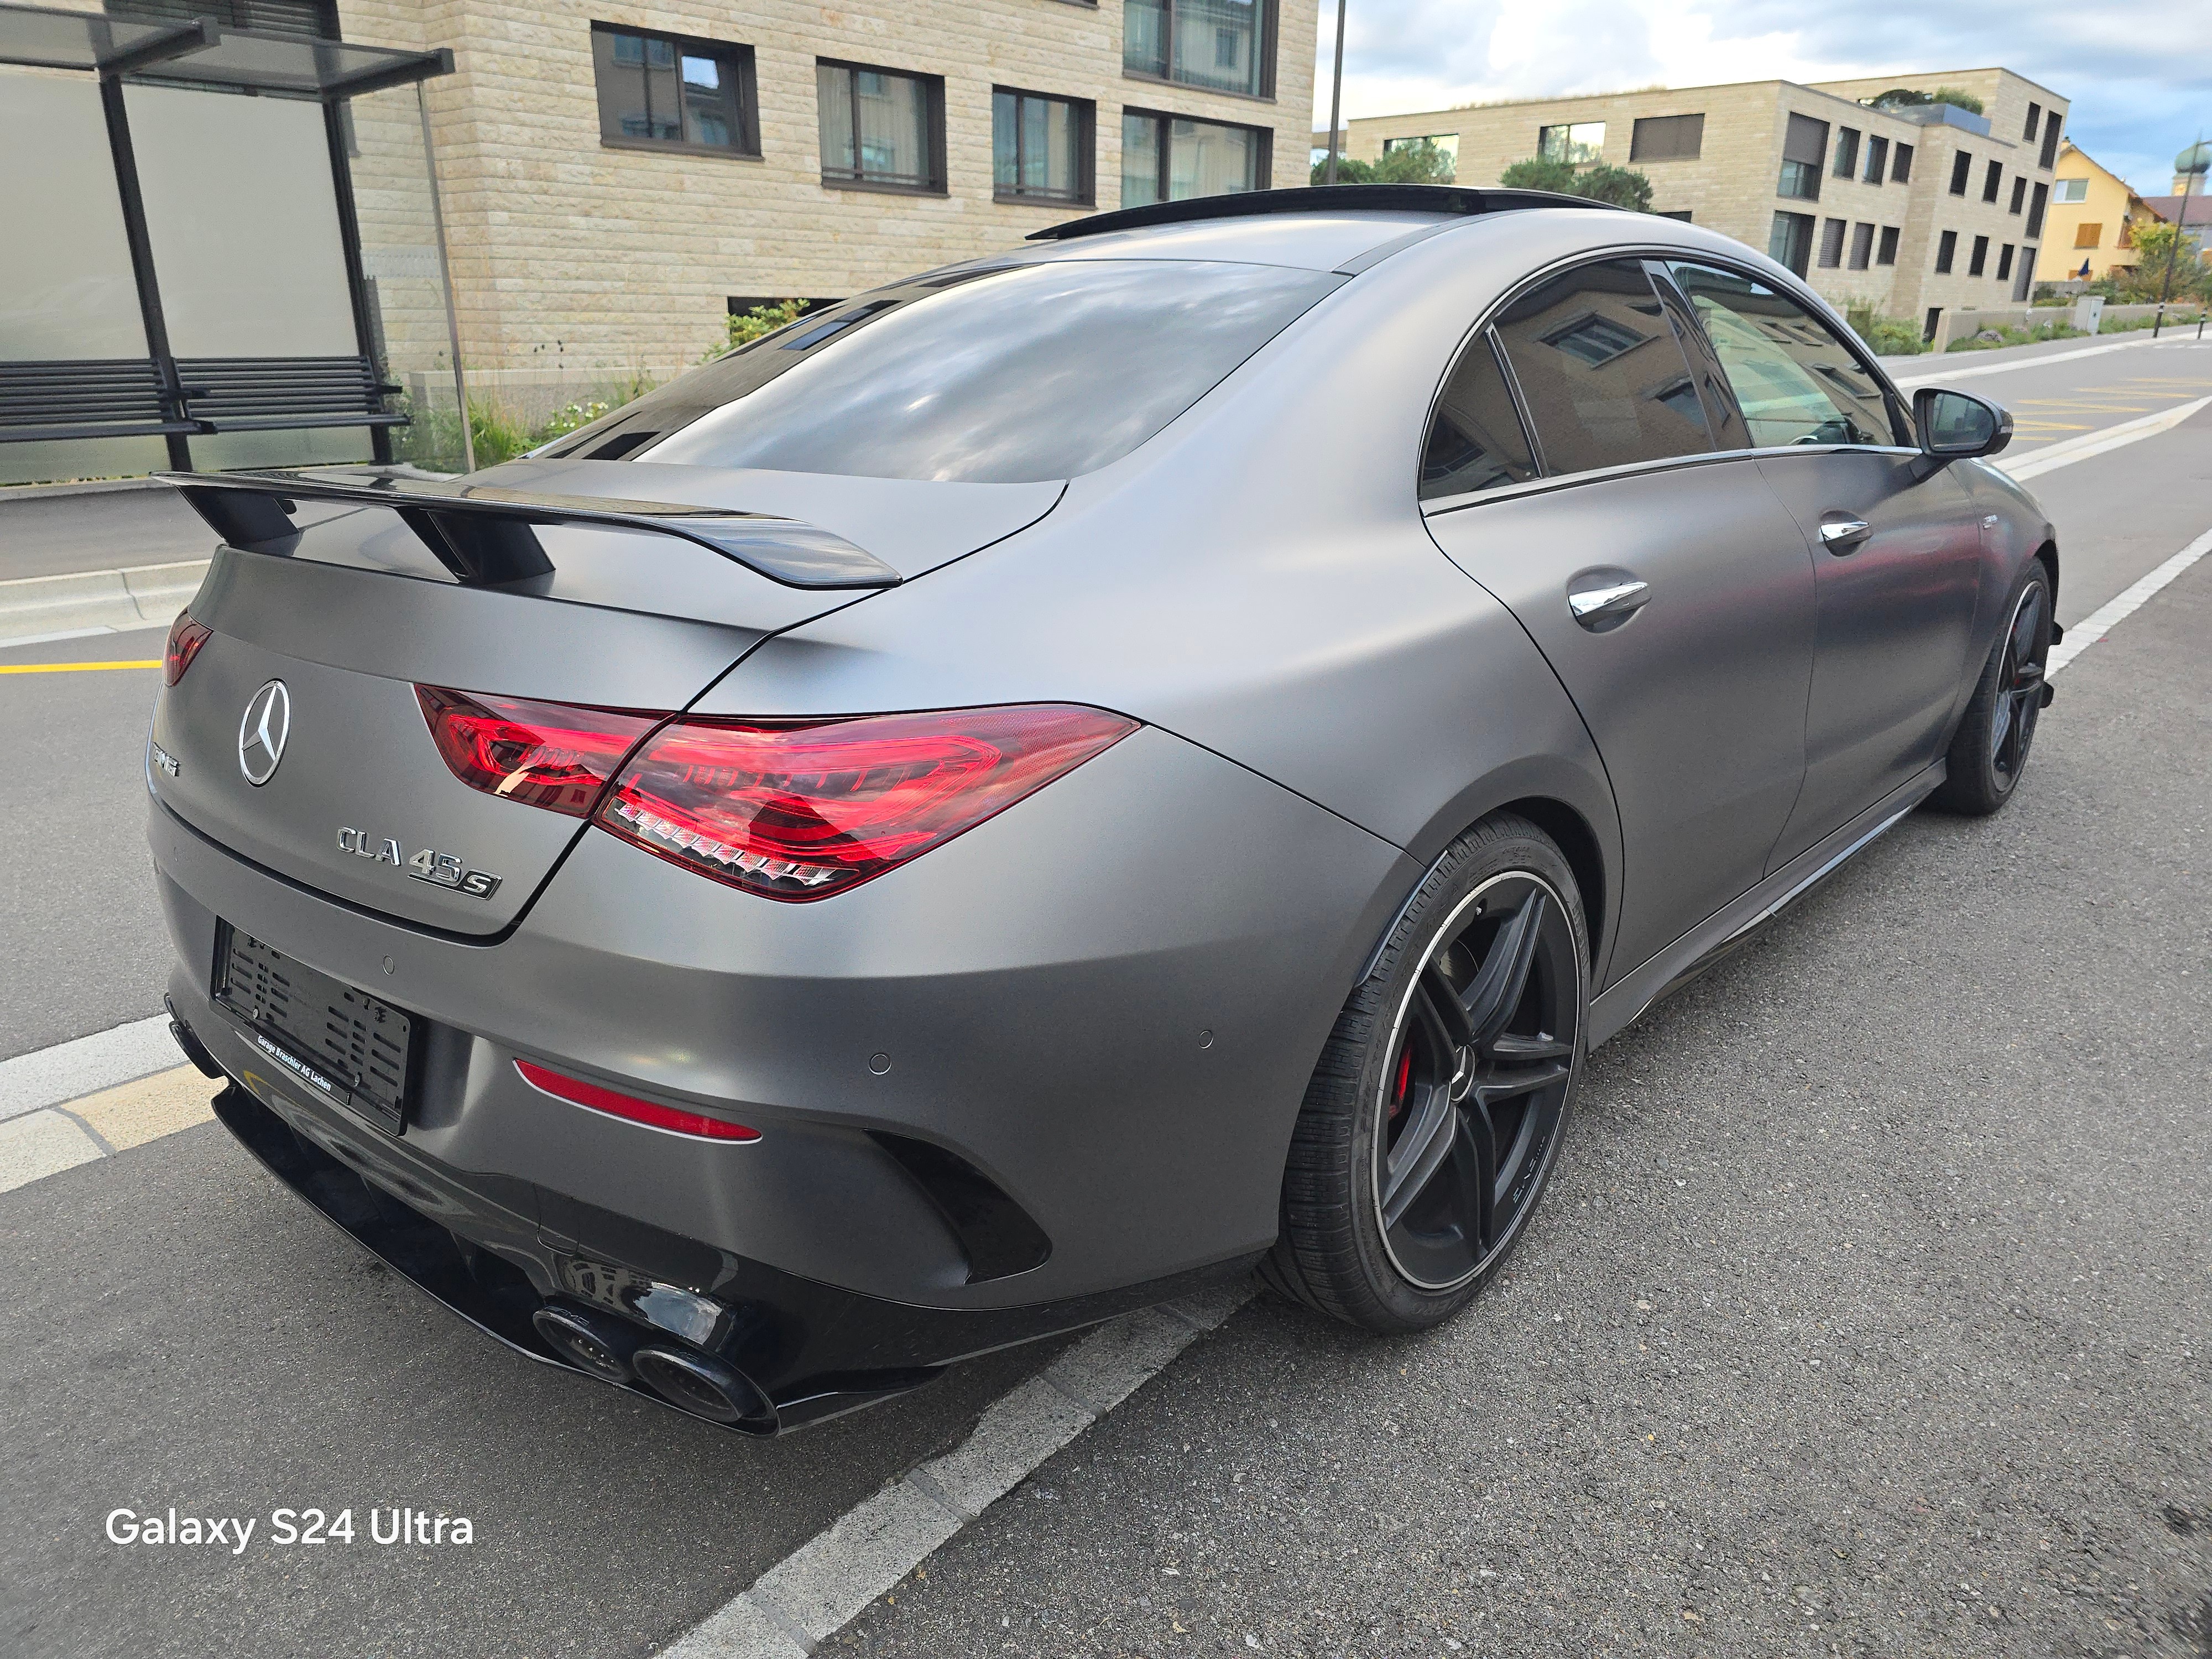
{"points": [[1011, 375]]}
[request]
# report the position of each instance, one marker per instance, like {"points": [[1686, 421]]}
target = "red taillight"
{"points": [[542, 753], [671, 1118], [186, 639], [805, 810]]}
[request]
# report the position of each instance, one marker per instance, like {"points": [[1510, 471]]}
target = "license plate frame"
{"points": [[340, 1042]]}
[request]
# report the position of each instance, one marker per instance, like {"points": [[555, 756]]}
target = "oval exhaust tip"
{"points": [[705, 1387], [590, 1343]]}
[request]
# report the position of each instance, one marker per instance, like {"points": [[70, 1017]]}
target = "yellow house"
{"points": [[2093, 214]]}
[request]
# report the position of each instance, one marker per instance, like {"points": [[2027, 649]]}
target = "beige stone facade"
{"points": [[1732, 182], [574, 254]]}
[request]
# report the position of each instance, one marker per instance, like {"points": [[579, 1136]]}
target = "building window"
{"points": [[2071, 189], [669, 92], [1575, 141], [2023, 282], [2088, 234], [2034, 120], [1980, 258], [1041, 147], [2004, 262], [2019, 194], [1991, 181], [1928, 328], [1667, 138], [881, 129], [2050, 143], [1847, 152], [1831, 243], [1790, 242], [1946, 250], [1224, 46], [1901, 166], [1682, 213], [1862, 246], [2035, 204], [1887, 253], [1962, 165], [1877, 160], [1445, 143], [1171, 158], [1804, 149]]}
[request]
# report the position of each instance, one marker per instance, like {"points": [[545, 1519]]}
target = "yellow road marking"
{"points": [[150, 1109], [70, 667]]}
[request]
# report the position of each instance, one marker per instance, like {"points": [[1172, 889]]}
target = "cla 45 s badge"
{"points": [[439, 869]]}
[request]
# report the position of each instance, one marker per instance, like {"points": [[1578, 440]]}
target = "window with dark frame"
{"points": [[1173, 158], [674, 92], [1962, 168], [1042, 147], [2004, 262], [1980, 258], [2036, 202], [1946, 251], [2050, 142], [1862, 246], [2019, 192], [1847, 152], [1790, 242], [1573, 142], [1223, 45], [1901, 166], [1831, 243], [1877, 160], [1667, 138], [2034, 120], [1804, 152], [1992, 181], [881, 129], [1887, 253], [2023, 282]]}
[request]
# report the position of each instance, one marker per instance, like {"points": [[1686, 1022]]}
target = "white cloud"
{"points": [[2139, 81]]}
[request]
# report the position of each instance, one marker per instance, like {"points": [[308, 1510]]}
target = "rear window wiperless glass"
{"points": [[1012, 375]]}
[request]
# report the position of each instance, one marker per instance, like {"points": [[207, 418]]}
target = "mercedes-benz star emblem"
{"points": [[261, 734]]}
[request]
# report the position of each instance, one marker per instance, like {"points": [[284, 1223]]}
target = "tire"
{"points": [[1415, 1112], [1990, 751]]}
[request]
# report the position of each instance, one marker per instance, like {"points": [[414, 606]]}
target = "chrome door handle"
{"points": [[1841, 535], [1599, 608]]}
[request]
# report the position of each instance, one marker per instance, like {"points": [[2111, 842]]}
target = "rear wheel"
{"points": [[1990, 749], [1433, 1122]]}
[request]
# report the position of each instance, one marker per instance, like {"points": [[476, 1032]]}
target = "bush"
{"points": [[1622, 187], [1404, 164], [1910, 98], [1348, 171], [1886, 337], [1990, 339]]}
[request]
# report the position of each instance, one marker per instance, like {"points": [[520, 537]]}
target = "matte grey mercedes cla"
{"points": [[1065, 777]]}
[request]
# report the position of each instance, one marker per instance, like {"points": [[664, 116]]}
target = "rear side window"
{"points": [[1601, 374], [1795, 382], [1475, 440], [1005, 374]]}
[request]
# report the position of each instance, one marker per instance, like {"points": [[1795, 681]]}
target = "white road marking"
{"points": [[2068, 451], [43, 1143], [1966, 372], [2101, 621], [56, 1138], [61, 633], [831, 1580], [69, 1071]]}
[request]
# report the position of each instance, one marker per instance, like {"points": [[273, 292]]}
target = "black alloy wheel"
{"points": [[1990, 751], [1482, 1055], [1435, 1116]]}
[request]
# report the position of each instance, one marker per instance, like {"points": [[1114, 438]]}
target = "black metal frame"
{"points": [[159, 395]]}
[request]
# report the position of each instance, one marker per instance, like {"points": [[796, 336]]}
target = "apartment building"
{"points": [[1914, 210], [2094, 215]]}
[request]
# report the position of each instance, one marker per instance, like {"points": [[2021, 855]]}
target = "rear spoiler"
{"points": [[483, 533]]}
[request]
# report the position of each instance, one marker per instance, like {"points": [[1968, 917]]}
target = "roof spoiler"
{"points": [[1446, 201], [483, 533]]}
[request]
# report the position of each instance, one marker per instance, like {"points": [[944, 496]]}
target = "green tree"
{"points": [[1912, 98], [1622, 187], [1348, 171], [1418, 163]]}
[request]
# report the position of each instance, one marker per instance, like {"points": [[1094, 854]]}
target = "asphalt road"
{"points": [[1916, 1192]]}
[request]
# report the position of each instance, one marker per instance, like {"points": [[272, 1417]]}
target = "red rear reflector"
{"points": [[542, 753], [804, 810], [186, 639], [673, 1119]]}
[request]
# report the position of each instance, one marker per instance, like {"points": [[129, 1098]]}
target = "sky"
{"points": [[2139, 79]]}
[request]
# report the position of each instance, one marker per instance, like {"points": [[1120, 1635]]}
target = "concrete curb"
{"points": [[144, 596], [37, 492]]}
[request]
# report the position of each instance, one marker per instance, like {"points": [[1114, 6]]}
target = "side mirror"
{"points": [[1952, 424]]}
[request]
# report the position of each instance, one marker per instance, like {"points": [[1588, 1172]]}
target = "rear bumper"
{"points": [[813, 1351]]}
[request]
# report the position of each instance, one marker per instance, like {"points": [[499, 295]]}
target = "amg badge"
{"points": [[439, 869]]}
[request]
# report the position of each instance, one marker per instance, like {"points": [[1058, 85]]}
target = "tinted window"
{"points": [[1008, 375], [1475, 440], [1604, 381], [1795, 380]]}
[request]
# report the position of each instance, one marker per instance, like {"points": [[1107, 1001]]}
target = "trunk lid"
{"points": [[356, 610]]}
